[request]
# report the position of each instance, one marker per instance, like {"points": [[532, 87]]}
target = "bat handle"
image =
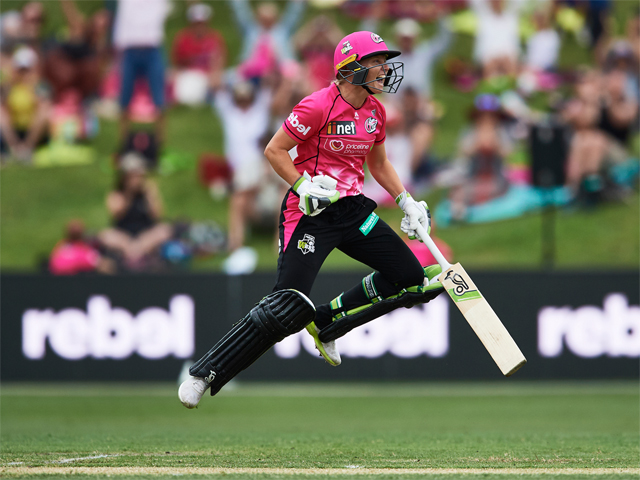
{"points": [[435, 251]]}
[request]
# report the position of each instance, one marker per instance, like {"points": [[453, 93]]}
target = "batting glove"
{"points": [[315, 193], [415, 213]]}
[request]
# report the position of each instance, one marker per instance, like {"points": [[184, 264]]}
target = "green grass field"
{"points": [[266, 431]]}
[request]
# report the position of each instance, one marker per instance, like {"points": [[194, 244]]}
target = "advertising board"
{"points": [[147, 327]]}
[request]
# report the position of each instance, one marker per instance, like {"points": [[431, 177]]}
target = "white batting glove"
{"points": [[316, 193], [415, 213]]}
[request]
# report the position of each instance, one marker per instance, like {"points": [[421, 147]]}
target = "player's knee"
{"points": [[413, 275]]}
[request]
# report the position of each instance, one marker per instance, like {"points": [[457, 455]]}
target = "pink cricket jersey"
{"points": [[333, 139]]}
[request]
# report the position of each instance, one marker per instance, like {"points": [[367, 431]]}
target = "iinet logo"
{"points": [[405, 333], [106, 332], [590, 331]]}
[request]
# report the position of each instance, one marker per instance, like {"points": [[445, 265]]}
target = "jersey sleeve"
{"points": [[304, 121]]}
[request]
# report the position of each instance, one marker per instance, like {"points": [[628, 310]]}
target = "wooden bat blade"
{"points": [[482, 319]]}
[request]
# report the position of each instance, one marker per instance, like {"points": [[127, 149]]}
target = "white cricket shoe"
{"points": [[328, 350], [191, 391]]}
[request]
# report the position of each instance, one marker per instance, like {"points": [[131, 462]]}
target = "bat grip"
{"points": [[435, 251]]}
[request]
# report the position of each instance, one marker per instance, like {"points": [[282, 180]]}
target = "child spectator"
{"points": [[198, 52], [73, 254], [135, 207], [25, 110]]}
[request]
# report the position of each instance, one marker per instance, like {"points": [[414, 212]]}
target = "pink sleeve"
{"points": [[304, 121], [382, 133]]}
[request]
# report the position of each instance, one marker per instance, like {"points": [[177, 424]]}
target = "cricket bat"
{"points": [[477, 311]]}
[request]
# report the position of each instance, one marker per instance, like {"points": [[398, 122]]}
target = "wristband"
{"points": [[402, 198]]}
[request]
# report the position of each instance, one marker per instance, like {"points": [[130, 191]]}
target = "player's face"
{"points": [[377, 71]]}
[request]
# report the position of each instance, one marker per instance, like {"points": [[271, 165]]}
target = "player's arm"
{"points": [[277, 152], [315, 193], [415, 213], [383, 172]]}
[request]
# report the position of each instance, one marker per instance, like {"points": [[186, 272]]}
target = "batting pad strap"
{"points": [[275, 317], [370, 289], [358, 316]]}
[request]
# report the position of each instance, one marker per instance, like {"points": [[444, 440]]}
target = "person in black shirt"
{"points": [[135, 207]]}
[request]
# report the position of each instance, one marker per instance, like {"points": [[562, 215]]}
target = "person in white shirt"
{"points": [[497, 44], [244, 112], [543, 47]]}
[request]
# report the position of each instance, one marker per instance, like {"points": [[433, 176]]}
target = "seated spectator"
{"points": [[74, 254], [497, 43], [267, 37], [25, 110], [589, 145], [135, 208], [619, 108], [482, 152], [198, 52]]}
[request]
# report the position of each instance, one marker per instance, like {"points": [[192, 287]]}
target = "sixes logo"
{"points": [[307, 244], [370, 124]]}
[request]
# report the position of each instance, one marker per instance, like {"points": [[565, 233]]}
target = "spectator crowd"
{"points": [[118, 63]]}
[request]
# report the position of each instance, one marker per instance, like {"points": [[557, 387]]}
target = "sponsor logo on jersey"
{"points": [[376, 38], [295, 123], [336, 145], [307, 244], [356, 116], [341, 128], [370, 124], [347, 148]]}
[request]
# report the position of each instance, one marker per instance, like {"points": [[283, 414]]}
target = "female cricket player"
{"points": [[330, 135]]}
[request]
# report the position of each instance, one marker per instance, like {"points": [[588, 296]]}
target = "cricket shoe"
{"points": [[328, 350], [191, 391]]}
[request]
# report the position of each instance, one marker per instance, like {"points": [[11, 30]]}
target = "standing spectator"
{"points": [[420, 57], [315, 41], [138, 35], [245, 112], [266, 38], [25, 109], [543, 47], [75, 65], [497, 43], [198, 53], [135, 207]]}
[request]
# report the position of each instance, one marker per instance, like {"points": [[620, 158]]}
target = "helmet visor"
{"points": [[356, 74]]}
